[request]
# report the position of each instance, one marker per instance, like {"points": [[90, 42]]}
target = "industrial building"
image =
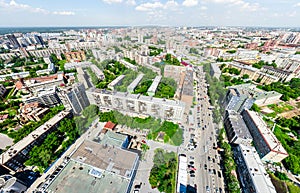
{"points": [[136, 103], [236, 129], [267, 145], [252, 174]]}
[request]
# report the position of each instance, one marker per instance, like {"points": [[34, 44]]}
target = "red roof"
{"points": [[109, 125]]}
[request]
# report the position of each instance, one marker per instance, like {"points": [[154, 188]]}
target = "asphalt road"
{"points": [[209, 178]]}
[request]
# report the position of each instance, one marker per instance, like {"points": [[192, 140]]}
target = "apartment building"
{"points": [[252, 175], [13, 159], [75, 56], [116, 82], [137, 104], [74, 98], [215, 70], [135, 83], [48, 97], [153, 87], [236, 128], [267, 145]]}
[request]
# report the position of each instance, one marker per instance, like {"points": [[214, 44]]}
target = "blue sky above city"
{"points": [[282, 13]]}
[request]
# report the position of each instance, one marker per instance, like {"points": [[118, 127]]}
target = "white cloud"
{"points": [[171, 5], [149, 6], [112, 1], [190, 3], [203, 8], [242, 4], [130, 2], [297, 5], [18, 6], [63, 13]]}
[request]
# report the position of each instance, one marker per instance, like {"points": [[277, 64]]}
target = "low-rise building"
{"points": [[267, 145], [252, 174], [152, 89], [135, 83], [116, 82]]}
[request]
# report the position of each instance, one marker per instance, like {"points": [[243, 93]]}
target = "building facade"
{"points": [[267, 145], [138, 104]]}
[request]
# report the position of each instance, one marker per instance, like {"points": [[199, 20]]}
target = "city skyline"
{"points": [[283, 13]]}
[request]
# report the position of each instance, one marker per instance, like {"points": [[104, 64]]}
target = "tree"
{"points": [[245, 76]]}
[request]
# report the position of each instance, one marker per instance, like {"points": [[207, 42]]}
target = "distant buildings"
{"points": [[75, 56], [139, 104], [267, 145], [252, 174], [243, 96], [48, 97], [13, 159], [73, 65]]}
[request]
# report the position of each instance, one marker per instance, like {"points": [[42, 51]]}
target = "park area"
{"points": [[158, 130], [163, 172]]}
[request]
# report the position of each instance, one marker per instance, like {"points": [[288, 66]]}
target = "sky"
{"points": [[261, 13]]}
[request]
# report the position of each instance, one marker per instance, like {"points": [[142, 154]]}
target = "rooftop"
{"points": [[239, 125], [154, 84], [109, 125], [80, 178], [134, 83], [260, 177], [116, 81], [109, 158], [270, 139]]}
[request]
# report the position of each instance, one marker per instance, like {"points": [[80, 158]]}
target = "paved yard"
{"points": [[5, 141]]}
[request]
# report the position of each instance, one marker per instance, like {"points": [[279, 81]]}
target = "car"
{"points": [[192, 163], [208, 158], [220, 189], [207, 189], [214, 171], [213, 159], [192, 172], [205, 166], [219, 174], [210, 138]]}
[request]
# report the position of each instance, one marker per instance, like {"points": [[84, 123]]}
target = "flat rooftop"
{"points": [[238, 125], [106, 157], [111, 138], [260, 177], [270, 139], [252, 91], [77, 178], [154, 84], [136, 81], [116, 81], [137, 96]]}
